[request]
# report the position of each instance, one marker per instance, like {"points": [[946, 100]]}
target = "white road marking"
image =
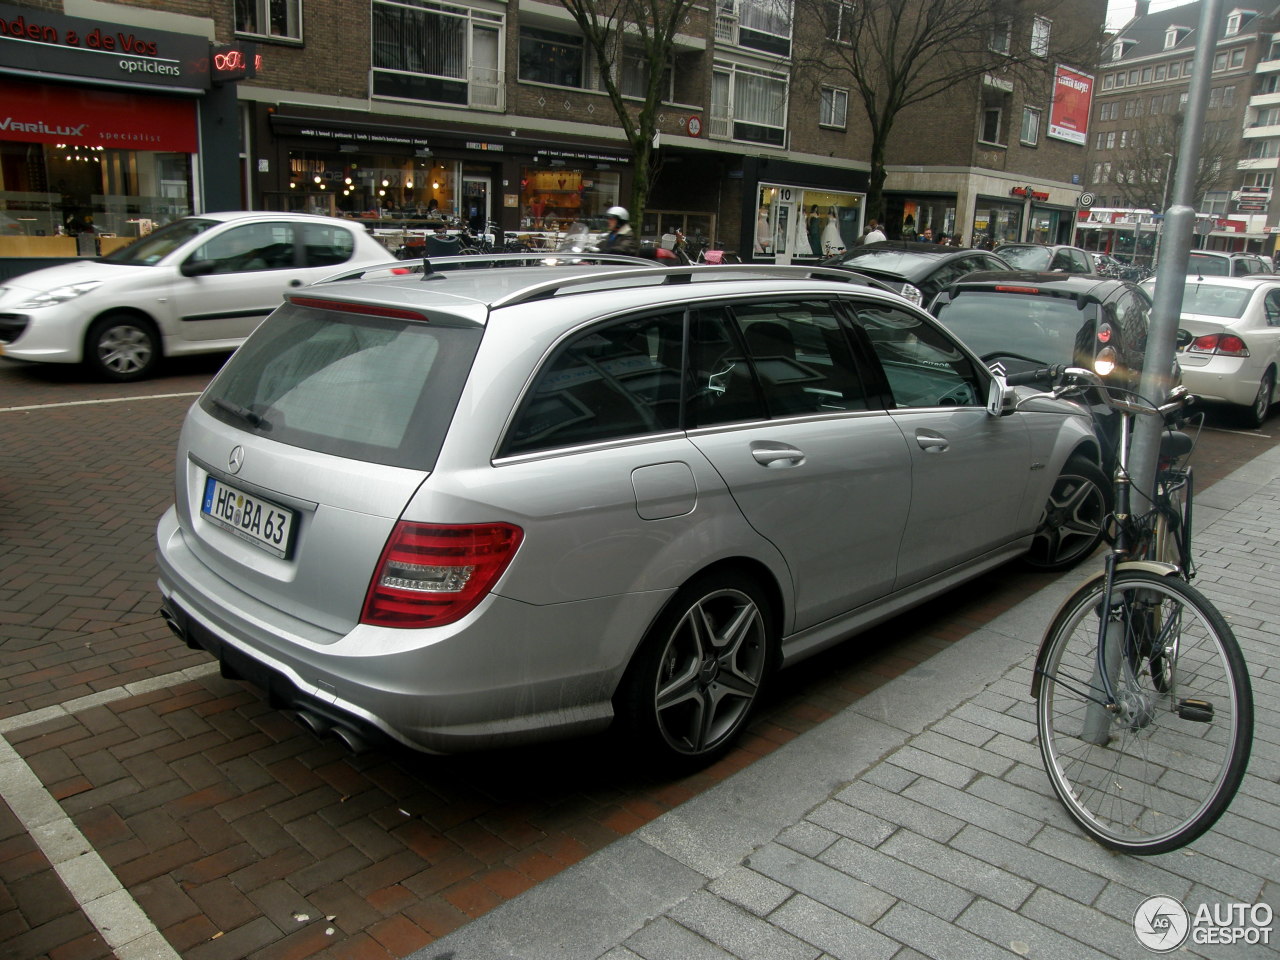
{"points": [[91, 403]]}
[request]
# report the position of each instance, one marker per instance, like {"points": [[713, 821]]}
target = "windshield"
{"points": [[1037, 328], [1211, 300], [1025, 258], [157, 245]]}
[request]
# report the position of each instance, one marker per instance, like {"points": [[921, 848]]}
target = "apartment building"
{"points": [[1139, 103], [493, 110]]}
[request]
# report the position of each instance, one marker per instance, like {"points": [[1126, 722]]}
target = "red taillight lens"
{"points": [[1104, 333], [433, 574], [1223, 344]]}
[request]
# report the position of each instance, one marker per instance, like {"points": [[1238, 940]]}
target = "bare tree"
{"points": [[899, 54], [634, 37], [1142, 163]]}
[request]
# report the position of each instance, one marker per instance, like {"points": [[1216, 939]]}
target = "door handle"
{"points": [[932, 442], [295, 283], [767, 453]]}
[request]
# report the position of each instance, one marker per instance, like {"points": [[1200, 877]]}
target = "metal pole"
{"points": [[1179, 222], [1164, 205]]}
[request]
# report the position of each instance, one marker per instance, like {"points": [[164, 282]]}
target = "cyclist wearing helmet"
{"points": [[619, 239]]}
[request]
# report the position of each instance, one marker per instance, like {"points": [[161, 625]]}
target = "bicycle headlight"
{"points": [[1104, 364], [47, 298]]}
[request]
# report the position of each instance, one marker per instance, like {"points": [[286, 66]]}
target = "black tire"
{"points": [[1158, 769], [122, 347], [1074, 517], [698, 675], [1255, 415]]}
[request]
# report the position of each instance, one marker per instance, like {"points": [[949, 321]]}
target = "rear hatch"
{"points": [[1208, 312], [299, 457]]}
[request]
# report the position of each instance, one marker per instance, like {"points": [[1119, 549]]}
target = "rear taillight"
{"points": [[433, 574], [1222, 344]]}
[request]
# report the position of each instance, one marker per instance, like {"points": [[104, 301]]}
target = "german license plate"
{"points": [[264, 524]]}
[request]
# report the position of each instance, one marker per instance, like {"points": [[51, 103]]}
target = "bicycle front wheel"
{"points": [[1155, 769]]}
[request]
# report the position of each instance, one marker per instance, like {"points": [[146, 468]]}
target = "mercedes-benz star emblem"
{"points": [[236, 459]]}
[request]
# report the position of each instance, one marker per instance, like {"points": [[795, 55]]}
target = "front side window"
{"points": [[834, 108], [923, 366], [552, 58], [278, 19], [249, 248]]}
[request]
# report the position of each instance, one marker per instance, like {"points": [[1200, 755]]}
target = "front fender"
{"points": [[1156, 567]]}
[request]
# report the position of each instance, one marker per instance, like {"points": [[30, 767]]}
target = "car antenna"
{"points": [[428, 273]]}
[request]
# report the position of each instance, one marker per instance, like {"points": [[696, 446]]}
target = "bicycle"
{"points": [[1144, 707]]}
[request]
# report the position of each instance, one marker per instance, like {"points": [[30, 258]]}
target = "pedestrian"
{"points": [[944, 240], [874, 233], [927, 236], [620, 238]]}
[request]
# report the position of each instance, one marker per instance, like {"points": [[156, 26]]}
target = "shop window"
{"points": [[552, 58], [444, 54], [554, 196], [834, 108], [1030, 133], [1040, 28], [756, 24], [278, 19], [748, 104]]}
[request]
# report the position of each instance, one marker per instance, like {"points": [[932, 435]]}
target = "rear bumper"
{"points": [[508, 673], [1221, 378]]}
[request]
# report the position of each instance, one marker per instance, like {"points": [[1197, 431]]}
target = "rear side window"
{"points": [[1001, 326], [366, 388], [618, 380]]}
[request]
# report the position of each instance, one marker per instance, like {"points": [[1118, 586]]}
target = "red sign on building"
{"points": [[1072, 100], [96, 117]]}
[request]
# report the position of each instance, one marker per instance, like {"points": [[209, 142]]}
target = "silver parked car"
{"points": [[1234, 350], [197, 285], [488, 506]]}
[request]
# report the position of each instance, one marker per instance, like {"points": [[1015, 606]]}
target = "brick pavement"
{"points": [[237, 833]]}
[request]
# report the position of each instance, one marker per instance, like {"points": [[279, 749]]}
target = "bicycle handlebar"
{"points": [[1064, 378]]}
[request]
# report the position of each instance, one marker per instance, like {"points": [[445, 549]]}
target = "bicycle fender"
{"points": [[1157, 567]]}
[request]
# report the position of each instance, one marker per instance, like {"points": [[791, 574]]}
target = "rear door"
{"points": [[779, 408], [969, 471]]}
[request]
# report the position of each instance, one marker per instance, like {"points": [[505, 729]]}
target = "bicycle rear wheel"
{"points": [[1159, 769]]}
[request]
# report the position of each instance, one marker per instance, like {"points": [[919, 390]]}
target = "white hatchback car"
{"points": [[1235, 348], [197, 285]]}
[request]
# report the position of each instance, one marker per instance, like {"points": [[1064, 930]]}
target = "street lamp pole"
{"points": [[1026, 214], [1164, 207]]}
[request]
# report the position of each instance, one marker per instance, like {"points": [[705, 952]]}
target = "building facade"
{"points": [[494, 111]]}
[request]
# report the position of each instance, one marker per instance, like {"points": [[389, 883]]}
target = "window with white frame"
{"points": [[1001, 40], [1216, 201], [277, 19], [1268, 117], [1237, 57], [1174, 70], [1040, 28], [839, 20], [1260, 178], [756, 24], [833, 110], [437, 52], [1219, 62], [749, 104], [1030, 133], [1264, 149], [551, 57], [1233, 24]]}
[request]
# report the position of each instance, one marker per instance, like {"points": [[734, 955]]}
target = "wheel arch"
{"points": [[132, 312]]}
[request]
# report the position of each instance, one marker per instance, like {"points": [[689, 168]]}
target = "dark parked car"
{"points": [[1041, 257], [918, 271]]}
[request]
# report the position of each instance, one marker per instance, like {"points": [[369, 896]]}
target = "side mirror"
{"points": [[997, 395], [1184, 338], [197, 268]]}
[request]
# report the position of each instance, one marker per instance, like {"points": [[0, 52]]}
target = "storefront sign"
{"points": [[346, 131], [75, 47], [95, 117], [1022, 192], [475, 145], [1072, 100]]}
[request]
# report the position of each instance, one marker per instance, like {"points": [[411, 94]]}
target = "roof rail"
{"points": [[685, 274], [429, 266]]}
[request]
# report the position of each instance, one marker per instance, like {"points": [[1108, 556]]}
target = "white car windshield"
{"points": [[157, 245]]}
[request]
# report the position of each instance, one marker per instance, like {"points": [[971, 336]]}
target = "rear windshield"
{"points": [[1038, 328], [1214, 301], [1209, 266], [366, 388], [155, 246], [1025, 258], [894, 262]]}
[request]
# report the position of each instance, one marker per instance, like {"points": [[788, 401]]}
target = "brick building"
{"points": [[492, 110]]}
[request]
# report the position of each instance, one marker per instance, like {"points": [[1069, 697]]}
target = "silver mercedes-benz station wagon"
{"points": [[466, 508]]}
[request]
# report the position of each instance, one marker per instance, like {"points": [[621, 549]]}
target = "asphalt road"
{"points": [[222, 819]]}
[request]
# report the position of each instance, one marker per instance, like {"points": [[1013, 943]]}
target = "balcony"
{"points": [[1265, 99], [1253, 132], [1260, 163]]}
